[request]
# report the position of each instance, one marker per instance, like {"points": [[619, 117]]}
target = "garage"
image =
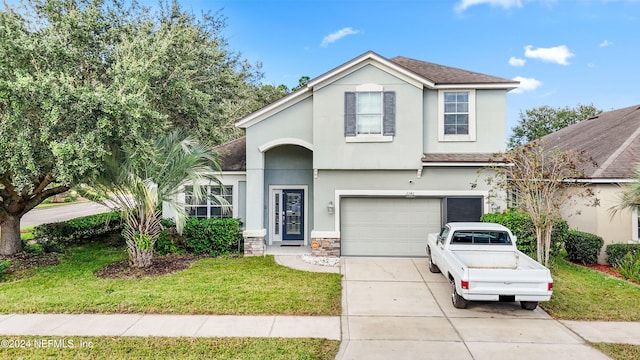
{"points": [[387, 226]]}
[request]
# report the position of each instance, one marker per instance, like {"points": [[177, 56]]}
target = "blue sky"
{"points": [[564, 52]]}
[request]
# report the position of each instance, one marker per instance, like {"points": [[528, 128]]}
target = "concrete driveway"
{"points": [[394, 308]]}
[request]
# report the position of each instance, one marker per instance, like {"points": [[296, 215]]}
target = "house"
{"points": [[367, 158], [612, 140]]}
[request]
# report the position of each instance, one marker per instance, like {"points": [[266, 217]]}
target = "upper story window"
{"points": [[369, 114], [210, 207], [456, 118]]}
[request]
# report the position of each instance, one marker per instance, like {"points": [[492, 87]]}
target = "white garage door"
{"points": [[387, 226]]}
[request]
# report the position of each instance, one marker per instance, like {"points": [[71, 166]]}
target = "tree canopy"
{"points": [[537, 122], [78, 76], [541, 182]]}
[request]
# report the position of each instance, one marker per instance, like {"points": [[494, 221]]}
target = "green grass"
{"points": [[580, 293], [619, 351], [242, 286], [171, 348], [26, 233]]}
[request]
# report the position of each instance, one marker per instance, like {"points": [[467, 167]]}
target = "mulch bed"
{"points": [[161, 265], [25, 261], [609, 270]]}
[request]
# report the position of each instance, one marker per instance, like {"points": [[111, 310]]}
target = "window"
{"points": [[457, 115], [370, 114], [209, 207], [481, 237]]}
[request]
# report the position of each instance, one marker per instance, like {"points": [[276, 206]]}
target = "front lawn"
{"points": [[620, 351], [168, 348], [580, 293], [237, 286]]}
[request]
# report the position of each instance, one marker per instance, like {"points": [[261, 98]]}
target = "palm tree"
{"points": [[137, 183], [629, 198]]}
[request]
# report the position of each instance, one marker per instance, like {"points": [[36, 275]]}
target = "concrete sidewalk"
{"points": [[171, 325]]}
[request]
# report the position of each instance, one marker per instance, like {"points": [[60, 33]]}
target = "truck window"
{"points": [[481, 237], [443, 235]]}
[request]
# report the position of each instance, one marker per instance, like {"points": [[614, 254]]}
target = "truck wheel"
{"points": [[432, 267], [529, 305], [458, 301]]}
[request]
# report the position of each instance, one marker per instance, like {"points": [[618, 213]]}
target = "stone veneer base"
{"points": [[327, 247], [254, 246]]}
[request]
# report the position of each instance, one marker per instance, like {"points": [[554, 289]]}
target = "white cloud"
{"points": [[514, 61], [333, 37], [465, 4], [558, 54], [606, 43], [526, 84]]}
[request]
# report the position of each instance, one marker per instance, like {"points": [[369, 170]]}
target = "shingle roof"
{"points": [[459, 158], [611, 139], [233, 155], [440, 74]]}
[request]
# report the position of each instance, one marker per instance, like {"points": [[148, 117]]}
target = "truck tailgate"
{"points": [[508, 282]]}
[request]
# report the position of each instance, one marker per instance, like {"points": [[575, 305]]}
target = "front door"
{"points": [[292, 214]]}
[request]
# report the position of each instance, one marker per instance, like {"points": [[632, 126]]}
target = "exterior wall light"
{"points": [[330, 208]]}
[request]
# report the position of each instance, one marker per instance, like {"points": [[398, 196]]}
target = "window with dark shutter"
{"points": [[370, 114]]}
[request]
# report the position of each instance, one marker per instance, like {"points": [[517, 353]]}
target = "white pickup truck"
{"points": [[482, 263]]}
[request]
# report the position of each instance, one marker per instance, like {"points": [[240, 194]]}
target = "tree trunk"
{"points": [[539, 246], [10, 242], [547, 244], [140, 258]]}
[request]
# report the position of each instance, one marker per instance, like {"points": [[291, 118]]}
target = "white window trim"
{"points": [[364, 138], [472, 117]]}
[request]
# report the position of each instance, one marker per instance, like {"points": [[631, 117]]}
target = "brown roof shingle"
{"points": [[233, 155], [611, 139], [440, 74]]}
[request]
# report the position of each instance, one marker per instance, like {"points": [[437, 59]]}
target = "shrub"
{"points": [[583, 247], [169, 242], [56, 236], [3, 265], [615, 252], [212, 236], [522, 227], [629, 266], [34, 248]]}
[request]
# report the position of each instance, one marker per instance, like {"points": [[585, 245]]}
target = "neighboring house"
{"points": [[612, 140], [367, 159]]}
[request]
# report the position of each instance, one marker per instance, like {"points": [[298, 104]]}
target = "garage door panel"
{"points": [[387, 226]]}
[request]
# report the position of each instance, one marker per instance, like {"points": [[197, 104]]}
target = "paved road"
{"points": [[61, 213]]}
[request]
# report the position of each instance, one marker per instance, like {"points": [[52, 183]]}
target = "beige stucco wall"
{"points": [[598, 220]]}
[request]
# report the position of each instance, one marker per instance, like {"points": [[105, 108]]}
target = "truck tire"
{"points": [[458, 301], [529, 305], [432, 267]]}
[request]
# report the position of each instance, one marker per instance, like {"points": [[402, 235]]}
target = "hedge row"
{"points": [[522, 227], [56, 236], [583, 247], [202, 236], [616, 252]]}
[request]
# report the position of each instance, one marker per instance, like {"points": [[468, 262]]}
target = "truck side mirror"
{"points": [[515, 239]]}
